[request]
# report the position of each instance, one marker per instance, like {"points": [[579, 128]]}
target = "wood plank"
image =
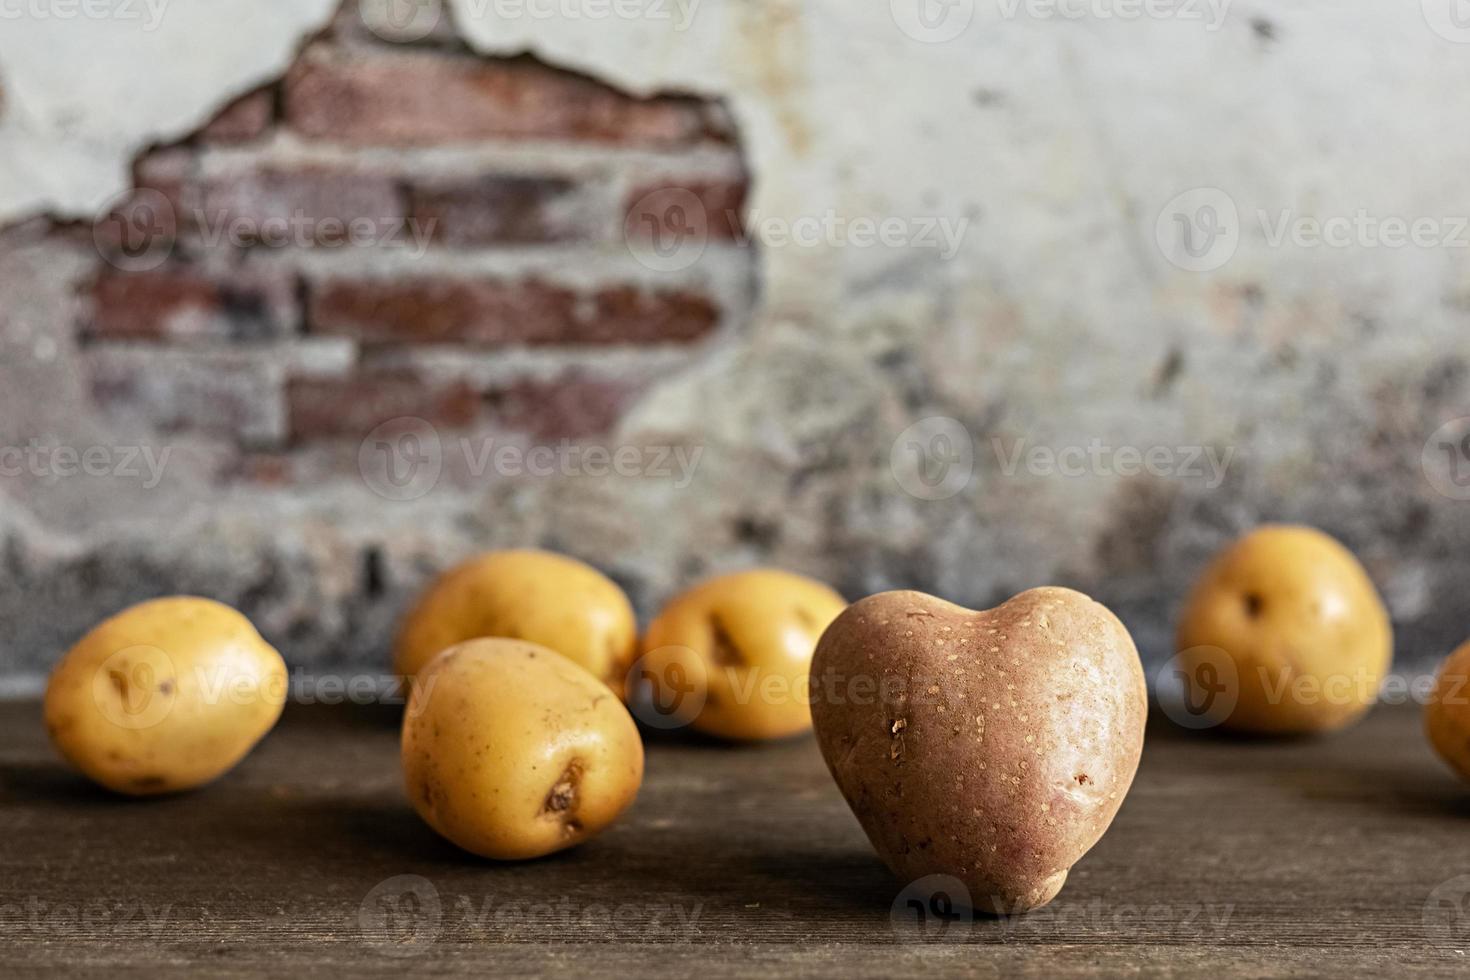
{"points": [[1237, 858]]}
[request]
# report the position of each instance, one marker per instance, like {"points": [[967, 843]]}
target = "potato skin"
{"points": [[1298, 618], [1447, 712], [530, 595], [512, 751], [164, 696], [745, 640], [992, 746]]}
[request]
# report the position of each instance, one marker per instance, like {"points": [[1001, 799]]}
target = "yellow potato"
{"points": [[738, 648], [512, 751], [1447, 713], [536, 596], [165, 696], [1287, 626]]}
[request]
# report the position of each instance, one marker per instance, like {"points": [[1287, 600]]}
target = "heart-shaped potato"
{"points": [[991, 746]]}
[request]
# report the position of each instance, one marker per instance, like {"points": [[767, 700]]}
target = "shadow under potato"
{"points": [[855, 880], [55, 783]]}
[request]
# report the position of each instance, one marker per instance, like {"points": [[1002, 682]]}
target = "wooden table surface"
{"points": [[1331, 857]]}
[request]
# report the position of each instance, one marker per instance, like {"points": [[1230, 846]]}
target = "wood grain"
{"points": [[1230, 858]]}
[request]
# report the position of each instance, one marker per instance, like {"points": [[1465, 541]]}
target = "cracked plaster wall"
{"points": [[1059, 321]]}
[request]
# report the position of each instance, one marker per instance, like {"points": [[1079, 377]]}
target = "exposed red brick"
{"points": [[352, 407], [720, 207], [423, 98], [441, 310], [572, 406], [268, 469], [181, 303], [291, 207], [164, 171], [499, 312], [146, 219], [632, 313], [497, 210], [245, 119]]}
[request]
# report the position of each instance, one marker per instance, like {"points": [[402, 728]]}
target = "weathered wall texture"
{"points": [[669, 293]]}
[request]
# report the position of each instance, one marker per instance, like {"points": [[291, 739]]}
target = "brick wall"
{"points": [[410, 230]]}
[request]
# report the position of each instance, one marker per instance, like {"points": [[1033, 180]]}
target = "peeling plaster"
{"points": [[1058, 142]]}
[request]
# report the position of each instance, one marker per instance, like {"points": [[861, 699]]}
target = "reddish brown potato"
{"points": [[994, 747]]}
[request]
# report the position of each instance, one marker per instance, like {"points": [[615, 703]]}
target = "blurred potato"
{"points": [[734, 653], [1447, 712], [164, 696], [536, 596], [1291, 618]]}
